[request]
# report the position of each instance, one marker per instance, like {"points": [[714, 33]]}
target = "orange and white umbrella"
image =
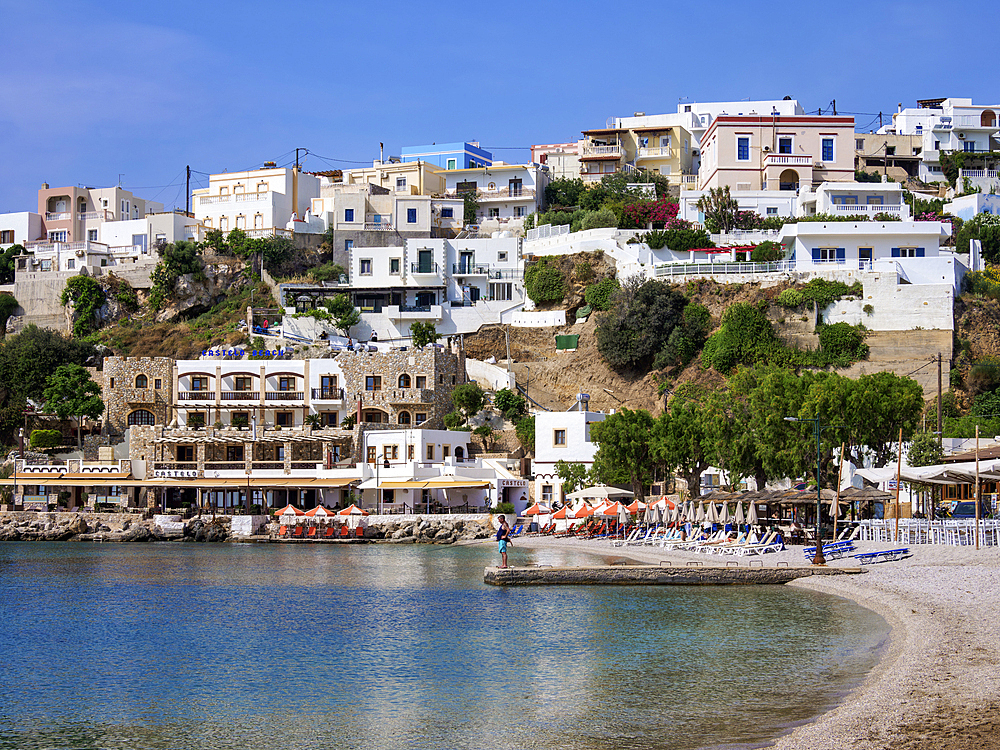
{"points": [[538, 510], [289, 510], [352, 510], [637, 506], [584, 511]]}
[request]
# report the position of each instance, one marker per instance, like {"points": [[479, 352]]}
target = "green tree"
{"points": [[544, 282], [471, 208], [564, 192], [925, 450], [745, 336], [71, 393], [720, 209], [7, 307], [681, 440], [86, 296], [485, 432], [624, 449], [7, 263], [642, 317], [524, 429], [423, 334], [468, 399], [176, 259], [573, 476], [345, 315], [512, 405]]}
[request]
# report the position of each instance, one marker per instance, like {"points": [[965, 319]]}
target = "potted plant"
{"points": [[196, 421], [313, 420], [239, 421]]}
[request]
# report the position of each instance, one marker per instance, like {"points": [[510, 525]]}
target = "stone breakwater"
{"points": [[62, 527], [653, 575]]}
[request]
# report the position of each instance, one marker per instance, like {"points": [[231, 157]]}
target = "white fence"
{"points": [[925, 531], [547, 230], [711, 269]]}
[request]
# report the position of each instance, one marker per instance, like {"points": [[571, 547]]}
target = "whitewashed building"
{"points": [[505, 192], [561, 436], [260, 202]]}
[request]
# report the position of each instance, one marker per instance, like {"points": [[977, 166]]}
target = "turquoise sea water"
{"points": [[253, 647]]}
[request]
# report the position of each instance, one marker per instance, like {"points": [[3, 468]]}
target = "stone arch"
{"points": [[141, 381], [141, 416]]}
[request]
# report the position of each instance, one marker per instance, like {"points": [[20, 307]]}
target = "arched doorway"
{"points": [[374, 416], [789, 180], [988, 119]]}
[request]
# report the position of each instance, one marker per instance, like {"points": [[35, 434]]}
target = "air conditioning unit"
{"points": [[961, 136], [817, 165], [767, 149]]}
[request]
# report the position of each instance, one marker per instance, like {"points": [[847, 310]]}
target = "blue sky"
{"points": [[93, 90]]}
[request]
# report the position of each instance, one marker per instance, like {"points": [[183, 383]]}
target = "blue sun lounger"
{"points": [[833, 551], [888, 555]]}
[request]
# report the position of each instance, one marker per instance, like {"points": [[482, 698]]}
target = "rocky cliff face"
{"points": [[193, 296]]}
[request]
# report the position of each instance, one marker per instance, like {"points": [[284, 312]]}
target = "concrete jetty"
{"points": [[655, 575]]}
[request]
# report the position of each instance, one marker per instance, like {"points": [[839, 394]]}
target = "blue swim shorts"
{"points": [[503, 545]]}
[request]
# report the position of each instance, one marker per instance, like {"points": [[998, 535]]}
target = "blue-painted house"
{"points": [[449, 155]]}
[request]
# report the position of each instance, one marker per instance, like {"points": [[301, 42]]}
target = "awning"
{"points": [[430, 483]]}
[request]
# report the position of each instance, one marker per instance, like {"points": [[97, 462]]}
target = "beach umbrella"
{"points": [[352, 510], [636, 507], [711, 515], [289, 510], [740, 519], [689, 510], [319, 511], [584, 511], [562, 513], [699, 516], [598, 492], [675, 515], [623, 517], [724, 518], [537, 510], [752, 514]]}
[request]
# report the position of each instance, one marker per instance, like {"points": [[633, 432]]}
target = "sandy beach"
{"points": [[938, 681]]}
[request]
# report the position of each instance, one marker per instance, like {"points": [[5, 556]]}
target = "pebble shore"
{"points": [[938, 682]]}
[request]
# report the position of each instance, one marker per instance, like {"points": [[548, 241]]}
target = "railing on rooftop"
{"points": [[547, 230], [701, 269]]}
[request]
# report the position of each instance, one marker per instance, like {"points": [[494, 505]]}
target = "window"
{"points": [[394, 266], [199, 384], [665, 141], [874, 200], [373, 417], [452, 164], [403, 417], [421, 381], [907, 252], [519, 211], [157, 384], [441, 379], [141, 381], [409, 453], [546, 493], [785, 144], [58, 236], [937, 145], [502, 292], [919, 130], [70, 264], [286, 383], [430, 452], [373, 382], [141, 416], [827, 149], [365, 266], [92, 235], [559, 438], [453, 380], [502, 257], [420, 418], [772, 210], [234, 452], [370, 454], [400, 183], [446, 213], [969, 146], [239, 419], [494, 213], [859, 144], [329, 419], [186, 452], [890, 150], [284, 419], [112, 384], [828, 254], [411, 216], [348, 214], [348, 245], [445, 451], [7, 236], [243, 382], [404, 381], [743, 148]]}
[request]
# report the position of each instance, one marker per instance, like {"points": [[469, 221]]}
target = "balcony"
{"points": [[974, 122], [58, 216], [601, 152], [662, 152], [328, 394], [225, 466], [506, 194], [88, 215], [284, 396], [378, 223], [175, 466], [249, 197], [861, 208], [268, 465], [397, 396], [983, 174], [787, 160], [424, 269], [413, 312], [241, 395], [196, 396], [469, 269]]}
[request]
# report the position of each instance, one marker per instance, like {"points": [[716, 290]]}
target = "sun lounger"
{"points": [[329, 531], [359, 532], [833, 551], [887, 555], [344, 532], [630, 539], [770, 543], [298, 531], [282, 531], [516, 531]]}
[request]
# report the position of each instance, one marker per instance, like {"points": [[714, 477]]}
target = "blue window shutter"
{"points": [[920, 252], [895, 252], [816, 254], [841, 254]]}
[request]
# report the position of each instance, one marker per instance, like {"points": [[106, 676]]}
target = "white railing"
{"points": [[739, 236], [86, 245], [870, 208], [971, 121], [601, 151], [989, 174], [211, 200], [85, 215], [249, 197], [720, 269], [959, 533], [789, 159], [655, 152], [545, 231], [378, 226], [505, 194], [261, 233], [58, 216]]}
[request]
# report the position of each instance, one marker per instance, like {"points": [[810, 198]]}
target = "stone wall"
{"points": [[122, 397]]}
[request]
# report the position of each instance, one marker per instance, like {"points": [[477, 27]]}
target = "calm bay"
{"points": [[278, 646]]}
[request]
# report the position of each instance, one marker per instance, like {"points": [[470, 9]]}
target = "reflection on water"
{"points": [[247, 647]]}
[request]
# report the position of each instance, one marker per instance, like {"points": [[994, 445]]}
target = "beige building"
{"points": [[776, 152], [663, 148], [888, 154], [408, 177], [75, 214]]}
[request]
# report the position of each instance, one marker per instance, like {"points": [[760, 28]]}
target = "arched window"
{"points": [[404, 417], [141, 381], [459, 453], [404, 381], [141, 416]]}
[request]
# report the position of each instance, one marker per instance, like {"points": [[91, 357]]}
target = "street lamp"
{"points": [[818, 559]]}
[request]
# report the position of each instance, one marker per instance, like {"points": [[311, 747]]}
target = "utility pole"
{"points": [[187, 192], [939, 399], [834, 107], [879, 120]]}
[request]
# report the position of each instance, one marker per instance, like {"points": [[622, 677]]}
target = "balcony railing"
{"points": [[86, 215], [241, 395], [196, 396], [214, 200], [306, 464], [870, 208], [225, 465], [424, 268], [249, 197], [283, 396], [470, 269], [378, 226], [601, 152], [788, 160], [988, 174], [505, 194], [58, 215], [268, 465], [713, 269], [328, 394], [175, 466], [662, 152], [973, 121]]}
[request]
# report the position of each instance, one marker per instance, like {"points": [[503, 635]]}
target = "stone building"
{"points": [[137, 391]]}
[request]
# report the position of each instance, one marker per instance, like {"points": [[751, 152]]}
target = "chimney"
{"points": [[899, 107]]}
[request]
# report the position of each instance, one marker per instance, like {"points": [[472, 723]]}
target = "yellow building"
{"points": [[410, 177], [664, 149]]}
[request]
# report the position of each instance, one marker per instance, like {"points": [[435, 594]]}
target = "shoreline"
{"points": [[937, 683]]}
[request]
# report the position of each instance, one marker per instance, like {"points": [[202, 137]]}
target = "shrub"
{"points": [[544, 282], [767, 252], [423, 334], [598, 295], [327, 272], [843, 341], [86, 295], [583, 271], [983, 283], [824, 292], [868, 310], [642, 316], [744, 337], [453, 420], [46, 438], [512, 405], [790, 298], [597, 219], [524, 428]]}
